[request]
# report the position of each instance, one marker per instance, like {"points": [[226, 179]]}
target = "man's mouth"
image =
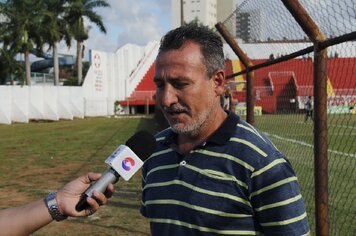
{"points": [[175, 113]]}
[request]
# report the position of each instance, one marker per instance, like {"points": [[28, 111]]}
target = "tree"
{"points": [[10, 67], [20, 28], [53, 29], [8, 64], [76, 11], [195, 22]]}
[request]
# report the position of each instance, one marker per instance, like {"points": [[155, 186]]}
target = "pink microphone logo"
{"points": [[127, 163]]}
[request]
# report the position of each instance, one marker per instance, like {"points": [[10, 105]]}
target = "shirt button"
{"points": [[183, 163]]}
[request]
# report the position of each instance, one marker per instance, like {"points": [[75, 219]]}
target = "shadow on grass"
{"points": [[115, 227]]}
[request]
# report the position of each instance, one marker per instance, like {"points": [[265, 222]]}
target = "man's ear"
{"points": [[219, 82]]}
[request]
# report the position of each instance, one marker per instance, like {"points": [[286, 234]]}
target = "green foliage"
{"points": [[71, 81], [195, 22], [86, 66], [10, 68], [28, 25], [76, 12], [20, 31], [117, 107]]}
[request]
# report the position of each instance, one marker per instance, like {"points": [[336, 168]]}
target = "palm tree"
{"points": [[77, 10], [9, 66], [20, 28], [54, 29]]}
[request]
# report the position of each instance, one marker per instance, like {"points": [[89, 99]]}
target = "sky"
{"points": [[142, 21], [128, 21]]}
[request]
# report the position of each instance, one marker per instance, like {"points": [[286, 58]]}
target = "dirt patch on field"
{"points": [[33, 182]]}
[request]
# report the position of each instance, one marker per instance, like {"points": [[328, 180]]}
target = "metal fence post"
{"points": [[321, 141], [320, 117]]}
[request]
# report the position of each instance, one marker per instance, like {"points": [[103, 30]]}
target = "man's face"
{"points": [[184, 92]]}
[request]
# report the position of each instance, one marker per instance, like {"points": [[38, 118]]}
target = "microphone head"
{"points": [[142, 143]]}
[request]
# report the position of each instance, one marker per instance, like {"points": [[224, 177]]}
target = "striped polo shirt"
{"points": [[235, 183]]}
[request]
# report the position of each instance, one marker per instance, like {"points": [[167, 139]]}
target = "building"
{"points": [[224, 11], [207, 12], [243, 26], [250, 26]]}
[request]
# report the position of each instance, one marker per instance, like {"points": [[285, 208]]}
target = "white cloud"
{"points": [[130, 21], [127, 21]]}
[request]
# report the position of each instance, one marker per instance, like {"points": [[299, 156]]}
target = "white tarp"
{"points": [[20, 97], [63, 103], [36, 110], [76, 101], [111, 77], [50, 104], [5, 104]]}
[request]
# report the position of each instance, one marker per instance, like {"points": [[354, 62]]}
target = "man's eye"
{"points": [[180, 85], [159, 84]]}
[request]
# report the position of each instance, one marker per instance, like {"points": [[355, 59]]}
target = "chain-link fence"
{"points": [[288, 52]]}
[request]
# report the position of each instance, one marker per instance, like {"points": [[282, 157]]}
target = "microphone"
{"points": [[124, 162]]}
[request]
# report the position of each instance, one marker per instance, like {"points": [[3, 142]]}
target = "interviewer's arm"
{"points": [[26, 219]]}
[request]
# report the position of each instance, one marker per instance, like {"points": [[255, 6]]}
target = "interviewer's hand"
{"points": [[69, 195]]}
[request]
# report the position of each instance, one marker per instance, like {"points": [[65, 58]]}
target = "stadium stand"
{"points": [[144, 92], [278, 88]]}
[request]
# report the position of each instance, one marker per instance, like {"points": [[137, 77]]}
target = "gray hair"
{"points": [[210, 43]]}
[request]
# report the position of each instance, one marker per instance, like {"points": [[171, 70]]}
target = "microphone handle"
{"points": [[109, 176]]}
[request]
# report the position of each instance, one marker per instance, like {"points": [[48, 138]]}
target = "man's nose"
{"points": [[168, 96]]}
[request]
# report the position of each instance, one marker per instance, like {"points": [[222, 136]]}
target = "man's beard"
{"points": [[198, 123]]}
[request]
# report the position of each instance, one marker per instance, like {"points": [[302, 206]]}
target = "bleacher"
{"points": [[228, 67], [144, 92], [276, 86], [146, 83], [342, 67]]}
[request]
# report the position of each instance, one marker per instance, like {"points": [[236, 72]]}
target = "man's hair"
{"points": [[210, 43]]}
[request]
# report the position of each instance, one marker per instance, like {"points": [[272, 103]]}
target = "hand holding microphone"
{"points": [[124, 161]]}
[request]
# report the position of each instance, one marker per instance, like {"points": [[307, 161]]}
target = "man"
{"points": [[58, 206], [309, 109], [226, 100], [212, 173]]}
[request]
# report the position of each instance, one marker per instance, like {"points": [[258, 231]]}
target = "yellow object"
{"points": [[236, 67], [330, 89]]}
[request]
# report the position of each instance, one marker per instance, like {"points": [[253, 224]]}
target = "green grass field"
{"points": [[38, 157], [294, 137]]}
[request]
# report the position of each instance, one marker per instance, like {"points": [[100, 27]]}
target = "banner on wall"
{"points": [[99, 83], [242, 111], [341, 110]]}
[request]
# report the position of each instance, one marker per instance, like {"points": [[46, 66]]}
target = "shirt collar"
{"points": [[226, 129], [220, 136]]}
